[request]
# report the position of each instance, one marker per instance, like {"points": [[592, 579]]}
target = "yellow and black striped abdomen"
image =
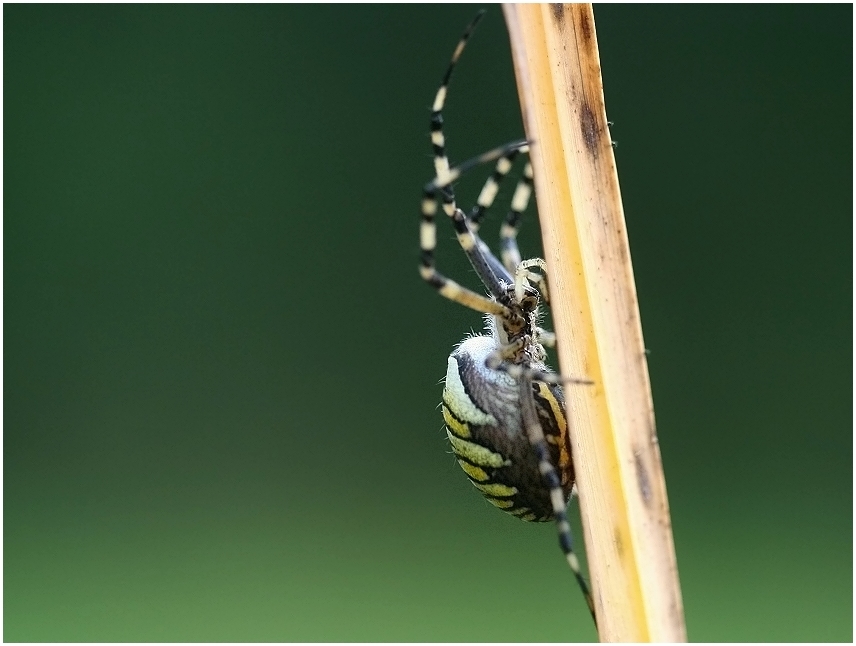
{"points": [[484, 424]]}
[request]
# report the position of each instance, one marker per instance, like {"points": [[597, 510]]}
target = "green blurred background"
{"points": [[221, 368]]}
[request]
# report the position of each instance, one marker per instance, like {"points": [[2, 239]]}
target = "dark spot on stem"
{"points": [[642, 478], [619, 541], [584, 21], [589, 129]]}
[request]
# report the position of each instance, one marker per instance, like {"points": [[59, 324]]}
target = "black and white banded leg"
{"points": [[551, 479]]}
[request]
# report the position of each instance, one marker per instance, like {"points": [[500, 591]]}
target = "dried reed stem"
{"points": [[624, 506]]}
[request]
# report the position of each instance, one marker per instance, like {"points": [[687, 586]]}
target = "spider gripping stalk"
{"points": [[504, 408]]}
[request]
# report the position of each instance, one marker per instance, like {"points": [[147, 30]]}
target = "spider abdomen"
{"points": [[484, 423]]}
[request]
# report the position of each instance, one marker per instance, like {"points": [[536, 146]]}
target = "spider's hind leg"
{"points": [[535, 434]]}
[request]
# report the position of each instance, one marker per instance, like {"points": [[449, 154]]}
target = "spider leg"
{"points": [[551, 479], [495, 272], [483, 262], [525, 377], [509, 150], [446, 286], [509, 229], [522, 194], [438, 140], [491, 187], [498, 360], [522, 276]]}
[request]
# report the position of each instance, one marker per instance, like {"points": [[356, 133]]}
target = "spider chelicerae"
{"points": [[504, 408]]}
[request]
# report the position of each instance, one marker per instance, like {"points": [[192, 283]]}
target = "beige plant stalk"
{"points": [[625, 510]]}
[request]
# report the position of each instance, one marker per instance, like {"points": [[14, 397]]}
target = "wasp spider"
{"points": [[504, 408]]}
